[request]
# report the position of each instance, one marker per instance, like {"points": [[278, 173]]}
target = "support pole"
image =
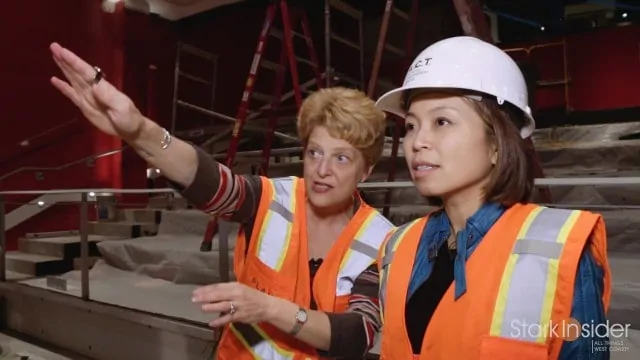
{"points": [[84, 247]]}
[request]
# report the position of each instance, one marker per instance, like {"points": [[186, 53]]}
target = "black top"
{"points": [[314, 265], [425, 300]]}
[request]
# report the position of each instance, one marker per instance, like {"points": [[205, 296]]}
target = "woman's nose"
{"points": [[324, 167], [422, 139]]}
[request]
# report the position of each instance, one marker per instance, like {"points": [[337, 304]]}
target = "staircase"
{"points": [[53, 253]]}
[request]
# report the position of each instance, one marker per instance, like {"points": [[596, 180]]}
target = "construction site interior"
{"points": [[99, 257]]}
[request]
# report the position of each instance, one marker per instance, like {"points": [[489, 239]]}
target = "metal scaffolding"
{"points": [[255, 104]]}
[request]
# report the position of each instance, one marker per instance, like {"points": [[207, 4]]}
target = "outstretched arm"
{"points": [[208, 183]]}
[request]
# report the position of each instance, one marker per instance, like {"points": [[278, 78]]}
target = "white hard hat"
{"points": [[466, 63]]}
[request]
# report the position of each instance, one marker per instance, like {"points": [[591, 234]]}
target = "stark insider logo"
{"points": [[569, 330]]}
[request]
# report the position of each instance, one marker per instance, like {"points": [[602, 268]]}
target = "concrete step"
{"points": [[125, 229], [14, 276], [66, 247], [35, 264], [48, 234], [77, 265], [140, 215]]}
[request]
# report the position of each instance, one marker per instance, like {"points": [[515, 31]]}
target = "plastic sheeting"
{"points": [[173, 254]]}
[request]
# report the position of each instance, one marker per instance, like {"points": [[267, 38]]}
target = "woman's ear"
{"points": [[494, 154]]}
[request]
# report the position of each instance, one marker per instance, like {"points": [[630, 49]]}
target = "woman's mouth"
{"points": [[320, 187]]}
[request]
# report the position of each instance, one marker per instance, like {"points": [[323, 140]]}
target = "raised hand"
{"points": [[102, 104]]}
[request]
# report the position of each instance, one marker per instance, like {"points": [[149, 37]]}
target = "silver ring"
{"points": [[232, 308], [98, 76]]}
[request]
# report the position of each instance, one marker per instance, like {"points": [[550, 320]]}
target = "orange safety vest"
{"points": [[520, 282], [277, 263]]}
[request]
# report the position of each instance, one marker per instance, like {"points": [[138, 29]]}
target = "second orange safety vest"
{"points": [[277, 263], [520, 282]]}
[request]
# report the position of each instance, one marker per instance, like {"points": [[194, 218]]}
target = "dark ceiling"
{"points": [[520, 19], [529, 19]]}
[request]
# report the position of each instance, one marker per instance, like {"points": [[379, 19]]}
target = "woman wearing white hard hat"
{"points": [[488, 275]]}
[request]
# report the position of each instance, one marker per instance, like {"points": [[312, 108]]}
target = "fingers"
{"points": [[66, 90], [79, 72], [219, 307], [215, 292], [221, 321], [109, 96]]}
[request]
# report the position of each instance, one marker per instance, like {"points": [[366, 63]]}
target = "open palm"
{"points": [[102, 104]]}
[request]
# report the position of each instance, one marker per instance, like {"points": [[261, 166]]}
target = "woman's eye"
{"points": [[442, 121], [409, 127], [343, 158], [313, 153]]}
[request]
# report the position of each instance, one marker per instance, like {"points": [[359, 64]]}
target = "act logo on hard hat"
{"points": [[419, 67], [464, 63]]}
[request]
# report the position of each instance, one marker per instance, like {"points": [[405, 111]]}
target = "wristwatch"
{"points": [[301, 318]]}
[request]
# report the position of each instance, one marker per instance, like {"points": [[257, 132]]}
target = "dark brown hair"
{"points": [[511, 180]]}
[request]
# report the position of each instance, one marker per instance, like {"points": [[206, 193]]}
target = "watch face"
{"points": [[301, 316]]}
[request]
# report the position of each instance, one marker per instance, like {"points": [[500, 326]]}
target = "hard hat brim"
{"points": [[393, 102]]}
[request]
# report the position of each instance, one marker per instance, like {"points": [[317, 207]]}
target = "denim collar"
{"points": [[468, 239], [435, 235]]}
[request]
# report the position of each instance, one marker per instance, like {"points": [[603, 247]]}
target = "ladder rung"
{"points": [[345, 78], [198, 52], [306, 61], [345, 41], [263, 97], [400, 13], [346, 8], [277, 33], [196, 108], [194, 78], [393, 49], [270, 65]]}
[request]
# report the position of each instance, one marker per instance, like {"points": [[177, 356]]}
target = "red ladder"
{"points": [[288, 60], [376, 84]]}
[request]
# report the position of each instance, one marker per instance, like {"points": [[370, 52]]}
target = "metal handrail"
{"points": [[64, 166], [560, 181], [47, 131], [52, 129]]}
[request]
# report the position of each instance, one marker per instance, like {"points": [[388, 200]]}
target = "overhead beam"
{"points": [[472, 19]]}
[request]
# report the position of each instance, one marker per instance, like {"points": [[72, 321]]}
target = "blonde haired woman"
{"points": [[488, 275], [307, 282]]}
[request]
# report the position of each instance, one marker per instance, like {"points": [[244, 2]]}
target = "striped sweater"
{"points": [[216, 190]]}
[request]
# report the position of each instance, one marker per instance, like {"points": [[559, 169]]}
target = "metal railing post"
{"points": [[84, 246]]}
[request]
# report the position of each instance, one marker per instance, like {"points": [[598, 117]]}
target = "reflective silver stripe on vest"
{"points": [[389, 251], [527, 290], [275, 231], [256, 341], [363, 251]]}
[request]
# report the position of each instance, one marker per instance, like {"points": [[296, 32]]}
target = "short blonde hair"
{"points": [[348, 114]]}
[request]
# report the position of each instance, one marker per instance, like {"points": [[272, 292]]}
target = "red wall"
{"points": [[127, 47], [123, 44], [603, 67]]}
